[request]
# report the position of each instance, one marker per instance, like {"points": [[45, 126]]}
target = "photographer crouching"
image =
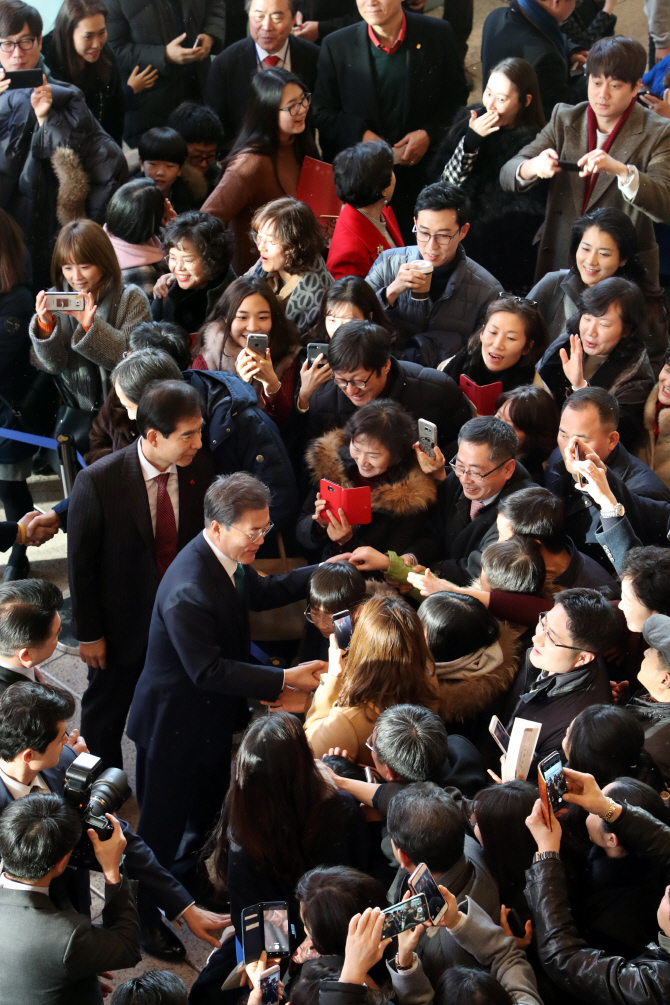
{"points": [[49, 953]]}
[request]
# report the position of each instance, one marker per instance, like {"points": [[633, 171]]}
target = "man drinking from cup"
{"points": [[433, 286]]}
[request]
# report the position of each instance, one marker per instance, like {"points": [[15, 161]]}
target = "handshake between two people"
{"points": [[36, 527]]}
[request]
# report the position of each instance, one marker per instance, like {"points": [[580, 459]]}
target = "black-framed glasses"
{"points": [[461, 472], [26, 43], [542, 621], [256, 535], [443, 240], [360, 385], [296, 107], [517, 300]]}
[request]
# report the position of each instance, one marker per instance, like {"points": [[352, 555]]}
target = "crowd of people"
{"points": [[444, 410]]}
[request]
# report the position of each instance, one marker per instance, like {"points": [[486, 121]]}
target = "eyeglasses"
{"points": [[295, 109], [444, 240], [360, 385], [517, 300], [24, 43], [461, 472], [542, 621], [258, 239], [257, 535], [370, 742], [320, 618]]}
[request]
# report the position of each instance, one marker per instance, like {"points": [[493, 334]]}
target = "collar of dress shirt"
{"points": [[281, 55], [18, 789], [11, 884], [229, 564], [398, 42], [28, 672], [148, 469]]}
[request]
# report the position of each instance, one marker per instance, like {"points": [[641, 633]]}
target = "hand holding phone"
{"points": [[422, 882], [407, 914], [552, 785], [428, 437]]}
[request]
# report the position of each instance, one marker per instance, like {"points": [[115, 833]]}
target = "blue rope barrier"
{"points": [[35, 441]]}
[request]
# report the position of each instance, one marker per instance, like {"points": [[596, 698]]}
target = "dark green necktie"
{"points": [[238, 578]]}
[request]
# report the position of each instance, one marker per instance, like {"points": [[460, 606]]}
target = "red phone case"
{"points": [[356, 502], [483, 397]]}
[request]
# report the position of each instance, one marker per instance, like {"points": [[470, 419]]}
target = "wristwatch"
{"points": [[542, 856], [612, 511], [629, 177]]}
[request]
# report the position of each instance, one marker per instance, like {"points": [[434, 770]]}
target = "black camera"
{"points": [[94, 792]]}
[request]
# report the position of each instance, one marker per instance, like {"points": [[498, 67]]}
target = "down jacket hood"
{"points": [[464, 698], [411, 493]]}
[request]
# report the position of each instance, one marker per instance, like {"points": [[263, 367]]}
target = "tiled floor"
{"points": [[49, 561]]}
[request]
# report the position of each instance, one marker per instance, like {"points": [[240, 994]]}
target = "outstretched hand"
{"points": [[573, 364]]}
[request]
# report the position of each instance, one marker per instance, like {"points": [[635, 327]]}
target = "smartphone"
{"points": [[265, 927], [269, 982], [421, 881], [316, 348], [482, 396], [64, 302], [581, 480], [568, 165], [258, 343], [407, 914], [356, 502], [371, 775], [427, 437], [343, 629], [24, 78], [499, 733], [552, 785]]}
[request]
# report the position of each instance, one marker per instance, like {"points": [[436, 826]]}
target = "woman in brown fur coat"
{"points": [[375, 449]]}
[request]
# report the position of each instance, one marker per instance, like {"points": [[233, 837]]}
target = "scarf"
{"points": [[547, 24], [593, 142], [132, 256], [482, 661]]}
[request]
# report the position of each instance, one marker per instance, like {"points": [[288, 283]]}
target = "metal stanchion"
{"points": [[67, 458]]}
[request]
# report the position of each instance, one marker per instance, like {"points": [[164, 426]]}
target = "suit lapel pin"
{"points": [[192, 482], [380, 248], [418, 45]]}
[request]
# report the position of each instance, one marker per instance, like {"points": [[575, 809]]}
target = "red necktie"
{"points": [[271, 61], [166, 527], [475, 506]]}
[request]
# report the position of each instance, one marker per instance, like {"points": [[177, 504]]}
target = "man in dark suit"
{"points": [[190, 698], [130, 513], [29, 629], [50, 953], [531, 30], [567, 651], [271, 43], [395, 76]]}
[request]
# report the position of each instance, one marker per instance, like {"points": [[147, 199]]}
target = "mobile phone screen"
{"points": [[407, 914], [275, 930], [554, 777], [499, 734], [343, 629], [270, 988], [426, 884]]}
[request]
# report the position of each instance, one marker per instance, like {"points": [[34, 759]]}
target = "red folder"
{"points": [[483, 397], [317, 188], [356, 502]]}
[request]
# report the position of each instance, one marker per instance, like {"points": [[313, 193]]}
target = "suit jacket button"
{"points": [[260, 458]]}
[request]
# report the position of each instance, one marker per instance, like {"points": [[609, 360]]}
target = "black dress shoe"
{"points": [[19, 571], [162, 942]]}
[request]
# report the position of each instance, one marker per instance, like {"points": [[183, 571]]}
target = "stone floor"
{"points": [[49, 561]]}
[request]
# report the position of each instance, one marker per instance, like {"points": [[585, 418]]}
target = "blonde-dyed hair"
{"points": [[84, 242], [389, 662]]}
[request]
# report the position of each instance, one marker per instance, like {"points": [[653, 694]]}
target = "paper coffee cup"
{"points": [[421, 265]]}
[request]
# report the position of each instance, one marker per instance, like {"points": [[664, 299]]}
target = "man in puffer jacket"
{"points": [[589, 974], [56, 161]]}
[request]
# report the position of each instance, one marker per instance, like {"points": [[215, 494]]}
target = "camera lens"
{"points": [[109, 792]]}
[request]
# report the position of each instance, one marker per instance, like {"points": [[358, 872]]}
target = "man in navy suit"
{"points": [[34, 757], [190, 698]]}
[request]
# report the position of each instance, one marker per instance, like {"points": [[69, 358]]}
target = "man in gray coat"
{"points": [[176, 39], [50, 954], [620, 152], [460, 290]]}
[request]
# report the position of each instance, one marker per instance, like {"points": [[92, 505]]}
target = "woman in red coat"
{"points": [[365, 181]]}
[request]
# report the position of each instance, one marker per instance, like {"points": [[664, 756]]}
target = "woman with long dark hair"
{"points": [[266, 157], [607, 741], [248, 307], [77, 50], [603, 244], [281, 818], [482, 138], [499, 817], [506, 348], [533, 415]]}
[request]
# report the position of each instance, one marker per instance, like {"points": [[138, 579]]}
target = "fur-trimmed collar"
{"points": [[461, 700], [410, 494]]}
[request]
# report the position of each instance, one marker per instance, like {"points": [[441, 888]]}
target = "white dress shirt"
{"points": [[11, 884], [150, 473], [284, 56], [229, 564], [18, 790], [28, 672]]}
